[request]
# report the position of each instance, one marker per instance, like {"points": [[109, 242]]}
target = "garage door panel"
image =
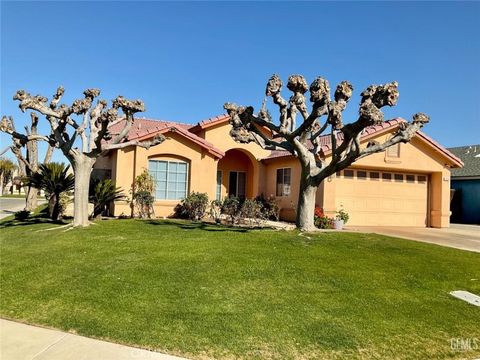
{"points": [[376, 202]]}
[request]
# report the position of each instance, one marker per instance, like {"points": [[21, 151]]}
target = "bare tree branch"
{"points": [[344, 139], [144, 144]]}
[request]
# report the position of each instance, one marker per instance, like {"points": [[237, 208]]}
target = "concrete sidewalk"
{"points": [[25, 342], [459, 236]]}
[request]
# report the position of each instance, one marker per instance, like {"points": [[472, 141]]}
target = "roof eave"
{"points": [[186, 134]]}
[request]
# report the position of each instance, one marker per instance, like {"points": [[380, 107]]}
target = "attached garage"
{"points": [[383, 198]]}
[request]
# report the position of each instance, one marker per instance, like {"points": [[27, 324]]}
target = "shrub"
{"points": [[143, 200], [321, 220], [54, 179], [142, 194], [22, 215], [193, 207], [65, 199], [102, 194], [216, 210], [271, 210], [253, 211], [231, 208]]}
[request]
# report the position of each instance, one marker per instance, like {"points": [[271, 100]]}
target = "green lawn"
{"points": [[211, 292]]}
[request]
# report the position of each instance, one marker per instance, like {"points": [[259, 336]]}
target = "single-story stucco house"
{"points": [[465, 186], [407, 185]]}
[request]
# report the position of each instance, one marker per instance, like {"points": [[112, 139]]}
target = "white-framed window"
{"points": [[219, 185], [284, 177], [237, 184], [171, 179]]}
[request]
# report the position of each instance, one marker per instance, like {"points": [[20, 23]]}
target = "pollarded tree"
{"points": [[28, 159], [303, 141], [81, 132]]}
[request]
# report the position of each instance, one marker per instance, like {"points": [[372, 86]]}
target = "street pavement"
{"points": [[9, 206]]}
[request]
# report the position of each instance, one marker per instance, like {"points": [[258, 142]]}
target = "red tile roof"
{"points": [[143, 129], [216, 120], [455, 159]]}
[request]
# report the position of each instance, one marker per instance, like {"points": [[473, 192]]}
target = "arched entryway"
{"points": [[237, 175]]}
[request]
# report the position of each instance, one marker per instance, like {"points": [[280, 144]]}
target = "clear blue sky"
{"points": [[186, 59]]}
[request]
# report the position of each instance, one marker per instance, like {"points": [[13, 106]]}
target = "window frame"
{"points": [[187, 173], [218, 185], [283, 183]]}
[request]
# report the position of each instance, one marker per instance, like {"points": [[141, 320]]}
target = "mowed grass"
{"points": [[205, 291]]}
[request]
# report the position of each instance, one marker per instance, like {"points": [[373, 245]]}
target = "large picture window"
{"points": [[170, 179], [283, 181]]}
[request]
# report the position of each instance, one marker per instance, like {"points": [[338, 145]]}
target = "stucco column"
{"points": [[440, 199]]}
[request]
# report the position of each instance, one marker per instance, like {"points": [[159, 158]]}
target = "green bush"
{"points": [[321, 220], [102, 194], [21, 215], [144, 203], [54, 179], [193, 207], [64, 199], [231, 207], [270, 207], [142, 191], [216, 210], [252, 211]]}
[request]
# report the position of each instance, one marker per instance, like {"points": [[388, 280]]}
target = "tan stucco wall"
{"points": [[219, 135], [287, 204], [202, 169]]}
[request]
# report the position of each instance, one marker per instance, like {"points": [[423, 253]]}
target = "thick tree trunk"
{"points": [[31, 199], [54, 205], [82, 167], [306, 206], [51, 206]]}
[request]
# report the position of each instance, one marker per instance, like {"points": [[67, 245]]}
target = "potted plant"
{"points": [[341, 219]]}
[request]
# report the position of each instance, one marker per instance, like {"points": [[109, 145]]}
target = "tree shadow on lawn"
{"points": [[200, 225], [40, 218]]}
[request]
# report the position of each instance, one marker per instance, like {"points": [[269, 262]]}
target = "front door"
{"points": [[237, 184]]}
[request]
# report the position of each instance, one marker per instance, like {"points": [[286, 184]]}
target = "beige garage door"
{"points": [[378, 198]]}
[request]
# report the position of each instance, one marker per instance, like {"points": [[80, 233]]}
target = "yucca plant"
{"points": [[102, 193], [54, 179]]}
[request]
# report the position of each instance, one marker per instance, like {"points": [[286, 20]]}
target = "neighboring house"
{"points": [[407, 185], [465, 186]]}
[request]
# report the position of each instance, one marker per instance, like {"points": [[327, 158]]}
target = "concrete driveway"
{"points": [[465, 237]]}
